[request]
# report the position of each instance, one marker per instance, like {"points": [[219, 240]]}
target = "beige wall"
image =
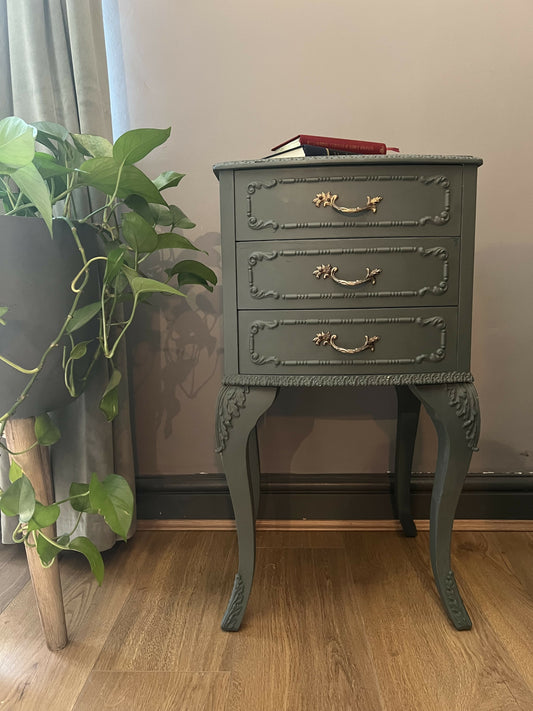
{"points": [[234, 78]]}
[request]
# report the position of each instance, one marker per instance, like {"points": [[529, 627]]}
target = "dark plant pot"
{"points": [[36, 272]]}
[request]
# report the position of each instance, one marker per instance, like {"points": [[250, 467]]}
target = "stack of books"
{"points": [[307, 145]]}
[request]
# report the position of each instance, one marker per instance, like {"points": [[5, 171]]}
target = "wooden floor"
{"points": [[337, 621]]}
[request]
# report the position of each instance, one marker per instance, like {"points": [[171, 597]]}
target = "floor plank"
{"points": [[164, 691], [302, 644], [341, 621], [29, 672], [14, 572], [176, 606], [421, 661], [299, 539], [499, 572]]}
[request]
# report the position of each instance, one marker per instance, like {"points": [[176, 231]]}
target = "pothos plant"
{"points": [[43, 169]]}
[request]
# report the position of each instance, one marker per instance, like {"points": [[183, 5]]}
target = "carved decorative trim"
{"points": [[253, 259], [441, 218], [455, 606], [234, 612], [231, 400], [465, 401], [436, 289], [317, 381], [255, 328], [257, 185], [435, 356], [254, 222]]}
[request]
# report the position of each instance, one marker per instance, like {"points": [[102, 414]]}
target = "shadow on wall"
{"points": [[176, 351], [330, 430]]}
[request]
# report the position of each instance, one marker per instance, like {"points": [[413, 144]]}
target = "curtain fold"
{"points": [[54, 69]]}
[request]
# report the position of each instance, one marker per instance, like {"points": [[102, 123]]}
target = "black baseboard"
{"points": [[334, 497]]}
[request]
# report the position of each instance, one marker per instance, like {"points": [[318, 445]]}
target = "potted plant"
{"points": [[71, 279]]}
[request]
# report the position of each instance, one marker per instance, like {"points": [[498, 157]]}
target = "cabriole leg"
{"points": [[238, 410], [454, 410], [407, 425], [254, 469]]}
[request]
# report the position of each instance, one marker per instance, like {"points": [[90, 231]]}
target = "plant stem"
{"points": [[19, 367], [9, 194], [82, 270]]}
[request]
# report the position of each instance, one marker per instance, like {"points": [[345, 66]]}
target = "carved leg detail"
{"points": [[239, 408], [407, 424], [454, 410]]}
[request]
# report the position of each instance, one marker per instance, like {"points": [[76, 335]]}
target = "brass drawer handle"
{"points": [[329, 200], [328, 339], [326, 270]]}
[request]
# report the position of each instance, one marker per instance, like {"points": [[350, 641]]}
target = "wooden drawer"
{"points": [[283, 274], [280, 201], [410, 341]]}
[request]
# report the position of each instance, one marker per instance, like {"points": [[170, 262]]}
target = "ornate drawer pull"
{"points": [[328, 200], [326, 270], [328, 339]]}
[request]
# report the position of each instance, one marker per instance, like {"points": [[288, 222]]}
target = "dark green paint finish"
{"points": [[410, 340], [278, 202], [412, 272], [419, 308]]}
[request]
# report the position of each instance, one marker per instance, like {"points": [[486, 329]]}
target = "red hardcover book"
{"points": [[336, 144]]}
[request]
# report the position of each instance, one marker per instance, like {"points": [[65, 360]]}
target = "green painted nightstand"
{"points": [[350, 271]]}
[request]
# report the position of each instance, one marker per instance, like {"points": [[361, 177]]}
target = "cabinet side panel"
{"points": [[229, 279], [467, 266]]}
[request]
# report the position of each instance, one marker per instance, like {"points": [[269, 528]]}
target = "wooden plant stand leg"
{"points": [[407, 425], [238, 409], [46, 582], [454, 410]]}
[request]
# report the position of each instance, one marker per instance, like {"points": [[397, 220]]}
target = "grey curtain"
{"points": [[54, 68]]}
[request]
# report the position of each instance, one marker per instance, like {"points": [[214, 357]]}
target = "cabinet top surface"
{"points": [[390, 159]]}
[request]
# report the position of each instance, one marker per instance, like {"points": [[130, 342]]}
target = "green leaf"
{"points": [[171, 216], [95, 146], [138, 233], [79, 350], [82, 316], [19, 499], [185, 279], [142, 285], [15, 471], [43, 516], [47, 551], [168, 179], [30, 182], [115, 260], [79, 498], [103, 174], [45, 430], [48, 167], [17, 142], [171, 240], [3, 310], [90, 551], [134, 145], [113, 499], [191, 266], [141, 207], [49, 129], [109, 402]]}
